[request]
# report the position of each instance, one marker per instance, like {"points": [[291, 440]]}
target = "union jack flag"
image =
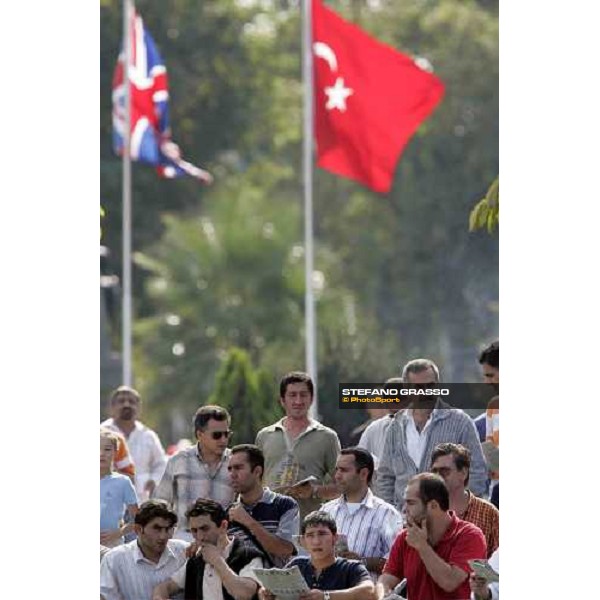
{"points": [[150, 135]]}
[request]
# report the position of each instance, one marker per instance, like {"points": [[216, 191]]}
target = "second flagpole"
{"points": [[309, 302]]}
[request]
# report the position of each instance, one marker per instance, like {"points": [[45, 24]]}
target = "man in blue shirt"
{"points": [[329, 578], [260, 518]]}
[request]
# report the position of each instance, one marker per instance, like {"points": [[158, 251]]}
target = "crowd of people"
{"points": [[402, 513]]}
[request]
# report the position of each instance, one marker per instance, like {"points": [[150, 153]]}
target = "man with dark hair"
{"points": [[144, 445], [296, 446], [490, 367], [222, 568], [432, 553], [452, 462], [369, 523], [416, 431], [260, 518], [489, 359], [329, 578], [201, 470], [131, 571]]}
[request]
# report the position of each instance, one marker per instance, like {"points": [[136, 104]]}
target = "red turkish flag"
{"points": [[369, 100]]}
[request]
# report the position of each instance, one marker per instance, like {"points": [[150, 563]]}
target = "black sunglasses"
{"points": [[217, 435]]}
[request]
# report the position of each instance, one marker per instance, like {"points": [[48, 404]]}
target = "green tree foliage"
{"points": [[486, 213], [246, 393]]}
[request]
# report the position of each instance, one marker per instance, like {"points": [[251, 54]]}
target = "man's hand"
{"points": [[191, 550], [312, 595], [109, 537], [417, 535], [211, 554], [239, 514], [479, 587], [149, 487], [301, 492], [264, 594]]}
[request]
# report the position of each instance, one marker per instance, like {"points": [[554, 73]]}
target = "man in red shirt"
{"points": [[433, 551]]}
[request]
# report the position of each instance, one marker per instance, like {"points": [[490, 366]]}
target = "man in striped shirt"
{"points": [[201, 470], [131, 571], [452, 462], [369, 523], [416, 431], [261, 519]]}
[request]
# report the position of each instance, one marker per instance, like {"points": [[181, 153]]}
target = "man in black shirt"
{"points": [[329, 578]]}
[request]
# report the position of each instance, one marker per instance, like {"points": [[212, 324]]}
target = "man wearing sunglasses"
{"points": [[201, 470]]}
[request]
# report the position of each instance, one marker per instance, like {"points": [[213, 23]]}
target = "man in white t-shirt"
{"points": [[373, 436], [143, 443]]}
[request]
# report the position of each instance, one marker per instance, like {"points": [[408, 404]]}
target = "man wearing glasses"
{"points": [[201, 470]]}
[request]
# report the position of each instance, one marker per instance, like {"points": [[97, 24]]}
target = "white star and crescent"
{"points": [[338, 93]]}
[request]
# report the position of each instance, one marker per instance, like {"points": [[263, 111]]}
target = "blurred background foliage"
{"points": [[218, 274]]}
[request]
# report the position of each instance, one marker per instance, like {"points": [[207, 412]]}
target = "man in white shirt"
{"points": [[373, 436], [143, 443], [369, 523], [131, 571], [223, 566]]}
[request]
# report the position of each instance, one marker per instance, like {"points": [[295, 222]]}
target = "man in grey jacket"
{"points": [[414, 433]]}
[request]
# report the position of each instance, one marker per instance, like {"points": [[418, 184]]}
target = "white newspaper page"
{"points": [[285, 584]]}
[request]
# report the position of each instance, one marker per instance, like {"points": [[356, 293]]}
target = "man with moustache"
{"points": [[222, 568], [131, 571], [143, 443], [296, 447], [201, 470], [369, 523], [260, 518], [452, 463], [432, 553]]}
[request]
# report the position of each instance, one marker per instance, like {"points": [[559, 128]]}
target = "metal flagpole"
{"points": [[309, 302], [126, 311]]}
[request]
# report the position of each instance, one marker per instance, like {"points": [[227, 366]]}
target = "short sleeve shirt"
{"points": [[341, 575], [462, 542], [116, 492]]}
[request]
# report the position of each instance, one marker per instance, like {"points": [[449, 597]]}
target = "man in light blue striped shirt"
{"points": [[369, 523]]}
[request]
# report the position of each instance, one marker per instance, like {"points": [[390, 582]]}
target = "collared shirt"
{"points": [[460, 543], [396, 466], [373, 437], [486, 516], [147, 453], [126, 574], [187, 478], [341, 575], [212, 586], [415, 439], [313, 452], [278, 514], [371, 529]]}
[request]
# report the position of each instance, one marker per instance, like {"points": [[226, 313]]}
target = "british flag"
{"points": [[150, 135]]}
